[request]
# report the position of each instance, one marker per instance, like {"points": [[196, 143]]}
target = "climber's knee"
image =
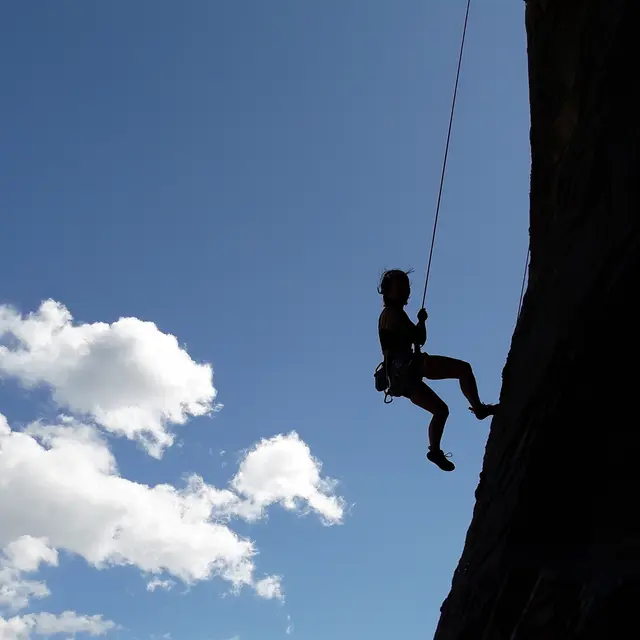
{"points": [[465, 370], [426, 398], [441, 410]]}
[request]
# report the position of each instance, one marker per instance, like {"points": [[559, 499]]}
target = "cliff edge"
{"points": [[553, 549]]}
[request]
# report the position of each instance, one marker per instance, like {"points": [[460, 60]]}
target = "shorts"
{"points": [[405, 374]]}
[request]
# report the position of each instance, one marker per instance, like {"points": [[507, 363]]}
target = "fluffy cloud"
{"points": [[282, 470], [25, 555], [156, 583], [128, 376], [46, 625], [130, 379], [80, 503], [269, 587]]}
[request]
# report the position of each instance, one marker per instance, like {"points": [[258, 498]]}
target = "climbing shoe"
{"points": [[441, 459], [484, 411]]}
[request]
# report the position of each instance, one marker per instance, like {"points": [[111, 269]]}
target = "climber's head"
{"points": [[395, 287]]}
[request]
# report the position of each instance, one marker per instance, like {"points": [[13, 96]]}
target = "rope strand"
{"points": [[446, 152], [444, 171], [524, 281]]}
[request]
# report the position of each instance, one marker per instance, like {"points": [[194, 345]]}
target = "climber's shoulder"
{"points": [[392, 318]]}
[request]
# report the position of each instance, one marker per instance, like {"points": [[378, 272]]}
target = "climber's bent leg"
{"points": [[427, 399], [443, 368]]}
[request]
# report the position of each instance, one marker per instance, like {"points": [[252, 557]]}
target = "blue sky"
{"points": [[239, 173]]}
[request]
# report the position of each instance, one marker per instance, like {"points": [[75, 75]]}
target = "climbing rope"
{"points": [[446, 152], [524, 281]]}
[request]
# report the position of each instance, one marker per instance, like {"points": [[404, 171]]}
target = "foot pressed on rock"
{"points": [[441, 459], [484, 410]]}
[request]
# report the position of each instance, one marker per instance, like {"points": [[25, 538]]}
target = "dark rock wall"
{"points": [[553, 550]]}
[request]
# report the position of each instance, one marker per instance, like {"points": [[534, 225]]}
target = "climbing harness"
{"points": [[399, 382]]}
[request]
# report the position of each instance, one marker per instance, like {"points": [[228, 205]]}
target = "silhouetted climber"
{"points": [[404, 368]]}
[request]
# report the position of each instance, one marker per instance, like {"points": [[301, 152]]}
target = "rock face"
{"points": [[553, 550]]}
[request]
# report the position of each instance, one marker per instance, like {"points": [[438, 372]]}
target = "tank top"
{"points": [[396, 332]]}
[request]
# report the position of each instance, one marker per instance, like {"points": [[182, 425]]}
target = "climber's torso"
{"points": [[396, 332]]}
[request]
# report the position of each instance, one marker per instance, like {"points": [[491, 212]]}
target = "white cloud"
{"points": [[269, 587], [23, 555], [60, 487], [130, 377], [47, 624], [26, 553], [282, 470], [79, 502], [154, 584]]}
